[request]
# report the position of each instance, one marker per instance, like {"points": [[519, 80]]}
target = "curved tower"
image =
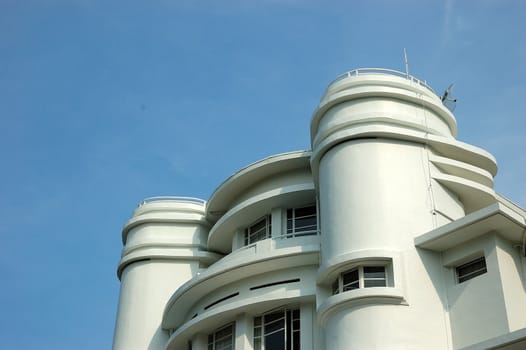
{"points": [[164, 246], [387, 168]]}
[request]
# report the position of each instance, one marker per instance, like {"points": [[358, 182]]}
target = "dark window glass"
{"points": [[281, 331], [302, 221], [351, 280], [222, 339], [258, 231], [471, 269]]}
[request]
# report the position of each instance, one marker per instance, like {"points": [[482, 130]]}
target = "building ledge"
{"points": [[507, 220], [245, 213], [266, 255], [515, 340], [359, 297]]}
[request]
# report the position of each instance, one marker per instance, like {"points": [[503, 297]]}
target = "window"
{"points": [[360, 277], [302, 221], [471, 269], [258, 231], [222, 339], [277, 330]]}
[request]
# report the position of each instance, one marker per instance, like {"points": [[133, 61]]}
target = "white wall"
{"points": [[145, 288]]}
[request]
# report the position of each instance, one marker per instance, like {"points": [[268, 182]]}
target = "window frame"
{"points": [[291, 329], [360, 281], [253, 237], [213, 341], [291, 220]]}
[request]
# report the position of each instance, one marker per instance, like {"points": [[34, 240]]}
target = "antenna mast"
{"points": [[406, 64]]}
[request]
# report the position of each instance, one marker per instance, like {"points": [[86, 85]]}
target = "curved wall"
{"points": [[376, 192], [165, 244]]}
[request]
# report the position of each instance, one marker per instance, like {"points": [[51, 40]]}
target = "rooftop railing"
{"points": [[384, 71], [172, 199]]}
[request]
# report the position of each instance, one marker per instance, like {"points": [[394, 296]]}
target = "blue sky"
{"points": [[104, 103]]}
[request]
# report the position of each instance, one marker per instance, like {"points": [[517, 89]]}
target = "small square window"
{"points": [[471, 269]]}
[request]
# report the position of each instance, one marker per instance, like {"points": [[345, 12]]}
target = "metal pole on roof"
{"points": [[406, 64]]}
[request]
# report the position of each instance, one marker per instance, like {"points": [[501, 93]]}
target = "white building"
{"points": [[387, 235]]}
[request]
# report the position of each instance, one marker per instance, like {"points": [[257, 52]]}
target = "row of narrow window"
{"points": [[300, 222], [277, 330]]}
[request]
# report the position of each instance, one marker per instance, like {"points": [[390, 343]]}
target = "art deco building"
{"points": [[388, 234]]}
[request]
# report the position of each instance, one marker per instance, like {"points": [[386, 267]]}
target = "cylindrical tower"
{"points": [[164, 246], [387, 168]]}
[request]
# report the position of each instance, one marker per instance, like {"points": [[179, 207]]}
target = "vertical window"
{"points": [[471, 269], [350, 280], [360, 277], [278, 330], [222, 339], [258, 231], [302, 221]]}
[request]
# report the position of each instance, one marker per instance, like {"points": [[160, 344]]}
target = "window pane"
{"points": [[257, 344], [306, 224], [472, 269], [374, 272], [275, 341], [350, 280], [289, 226], [258, 231], [273, 316], [222, 339], [302, 220], [281, 330], [274, 326], [258, 225], [306, 211], [351, 286], [374, 283], [374, 276]]}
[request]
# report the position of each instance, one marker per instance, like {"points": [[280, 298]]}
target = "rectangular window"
{"points": [[302, 221], [278, 330], [360, 277], [471, 269], [222, 339], [258, 231]]}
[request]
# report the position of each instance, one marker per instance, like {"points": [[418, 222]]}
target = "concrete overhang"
{"points": [[515, 340], [244, 179], [243, 214], [502, 217], [236, 267]]}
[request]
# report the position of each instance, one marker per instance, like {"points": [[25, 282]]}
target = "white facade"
{"points": [[387, 235]]}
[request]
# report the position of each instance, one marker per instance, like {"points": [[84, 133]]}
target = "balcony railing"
{"points": [[384, 71], [173, 199]]}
